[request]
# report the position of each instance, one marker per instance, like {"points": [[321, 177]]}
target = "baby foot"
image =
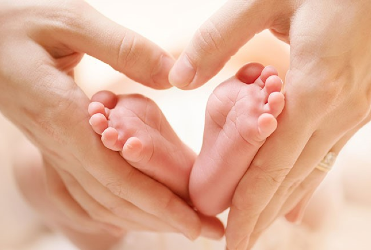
{"points": [[135, 126], [241, 113]]}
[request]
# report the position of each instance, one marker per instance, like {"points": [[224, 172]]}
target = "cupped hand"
{"points": [[328, 97], [41, 43]]}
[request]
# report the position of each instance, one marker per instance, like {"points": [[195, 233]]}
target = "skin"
{"points": [[327, 89], [135, 126], [241, 113], [93, 187], [34, 191]]}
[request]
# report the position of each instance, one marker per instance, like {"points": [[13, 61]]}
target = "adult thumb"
{"points": [[219, 38], [88, 31]]}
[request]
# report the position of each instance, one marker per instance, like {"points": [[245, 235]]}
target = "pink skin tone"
{"points": [[241, 113], [135, 126]]}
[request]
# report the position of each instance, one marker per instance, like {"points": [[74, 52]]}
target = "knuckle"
{"points": [[267, 178], [117, 188], [288, 187], [209, 38], [310, 183], [271, 176], [306, 185], [166, 202], [164, 205], [245, 205], [128, 51], [65, 15], [293, 186], [120, 187]]}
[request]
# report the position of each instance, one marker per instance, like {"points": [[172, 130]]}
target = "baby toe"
{"points": [[267, 124], [98, 123], [110, 139], [273, 84], [267, 72], [96, 108], [249, 73], [132, 150], [276, 103], [107, 98], [264, 75]]}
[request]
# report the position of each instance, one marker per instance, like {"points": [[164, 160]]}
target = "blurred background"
{"points": [[342, 204]]}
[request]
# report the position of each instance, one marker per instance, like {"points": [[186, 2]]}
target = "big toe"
{"points": [[107, 98], [249, 73]]}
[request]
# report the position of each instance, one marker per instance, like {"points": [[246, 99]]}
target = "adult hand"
{"points": [[328, 96], [41, 43]]}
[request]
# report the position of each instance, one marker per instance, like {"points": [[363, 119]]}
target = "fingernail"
{"points": [[182, 74], [161, 73]]}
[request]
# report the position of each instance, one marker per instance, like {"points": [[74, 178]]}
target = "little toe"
{"points": [[98, 123], [267, 124], [110, 139], [107, 98], [96, 108], [276, 103], [132, 150]]}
